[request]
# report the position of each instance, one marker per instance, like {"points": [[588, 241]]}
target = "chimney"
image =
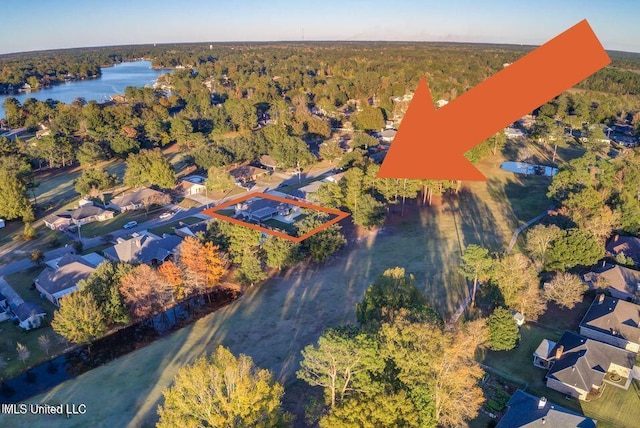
{"points": [[542, 402], [544, 421], [559, 351], [600, 299]]}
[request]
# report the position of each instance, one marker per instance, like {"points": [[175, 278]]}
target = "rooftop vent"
{"points": [[542, 402]]}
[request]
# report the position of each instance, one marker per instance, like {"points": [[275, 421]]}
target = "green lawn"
{"points": [[518, 363], [101, 228], [170, 227], [22, 282]]}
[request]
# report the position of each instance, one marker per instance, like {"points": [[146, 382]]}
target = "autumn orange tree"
{"points": [[202, 265], [144, 292], [170, 273]]}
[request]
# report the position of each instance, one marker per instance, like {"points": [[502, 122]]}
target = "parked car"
{"points": [[130, 225], [167, 215]]}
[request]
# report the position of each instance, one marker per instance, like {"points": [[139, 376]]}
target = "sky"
{"points": [[29, 25]]}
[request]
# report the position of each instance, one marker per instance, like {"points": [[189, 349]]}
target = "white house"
{"points": [[29, 315]]}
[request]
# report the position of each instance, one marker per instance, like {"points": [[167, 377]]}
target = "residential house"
{"points": [[622, 282], [387, 135], [144, 248], [581, 366], [628, 246], [258, 210], [526, 410], [513, 132], [138, 199], [89, 213], [193, 185], [246, 173], [613, 321], [334, 178], [58, 221], [54, 283], [29, 315], [268, 162], [4, 308]]}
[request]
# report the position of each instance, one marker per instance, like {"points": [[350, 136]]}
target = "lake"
{"points": [[113, 81]]}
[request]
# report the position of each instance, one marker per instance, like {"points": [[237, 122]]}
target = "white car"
{"points": [[130, 225], [167, 215]]}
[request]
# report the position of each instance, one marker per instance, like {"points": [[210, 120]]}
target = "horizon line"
{"points": [[297, 41]]}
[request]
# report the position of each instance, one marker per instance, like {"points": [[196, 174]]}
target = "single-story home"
{"points": [[58, 221], [245, 173], [622, 282], [628, 246], [54, 283], [580, 367], [89, 213], [144, 248], [29, 315], [258, 209], [387, 135], [138, 199], [307, 192], [510, 132], [613, 321], [526, 410], [188, 188], [268, 162]]}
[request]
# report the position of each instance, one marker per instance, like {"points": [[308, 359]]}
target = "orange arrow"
{"points": [[430, 143]]}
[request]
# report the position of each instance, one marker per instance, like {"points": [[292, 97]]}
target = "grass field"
{"points": [[101, 228], [169, 227], [273, 322], [21, 282]]}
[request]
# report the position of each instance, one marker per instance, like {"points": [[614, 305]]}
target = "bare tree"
{"points": [[44, 341], [23, 353], [566, 289]]}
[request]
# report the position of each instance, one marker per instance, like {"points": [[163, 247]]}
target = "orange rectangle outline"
{"points": [[340, 215]]}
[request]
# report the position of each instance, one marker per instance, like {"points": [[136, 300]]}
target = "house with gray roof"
{"points": [[629, 246], [622, 282], [58, 221], [138, 199], [90, 213], [29, 315], [260, 209], [613, 321], [144, 248], [526, 410], [55, 282], [581, 367]]}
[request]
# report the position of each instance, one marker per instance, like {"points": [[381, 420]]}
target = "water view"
{"points": [[113, 81]]}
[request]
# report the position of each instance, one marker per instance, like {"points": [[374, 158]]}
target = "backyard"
{"points": [[273, 322], [170, 227], [516, 366], [22, 282]]}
